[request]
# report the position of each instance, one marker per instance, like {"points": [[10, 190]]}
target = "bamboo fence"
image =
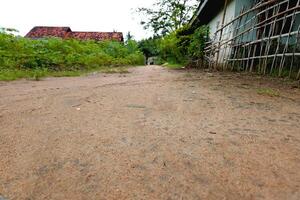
{"points": [[264, 38]]}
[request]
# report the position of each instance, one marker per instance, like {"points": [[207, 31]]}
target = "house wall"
{"points": [[247, 21], [243, 4], [251, 45], [234, 8], [215, 24]]}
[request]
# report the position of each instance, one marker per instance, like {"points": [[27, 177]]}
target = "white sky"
{"points": [[79, 15]]}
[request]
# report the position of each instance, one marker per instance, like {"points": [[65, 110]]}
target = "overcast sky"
{"points": [[80, 15]]}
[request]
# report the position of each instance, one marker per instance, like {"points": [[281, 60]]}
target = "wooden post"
{"points": [[294, 51], [221, 33], [237, 40]]}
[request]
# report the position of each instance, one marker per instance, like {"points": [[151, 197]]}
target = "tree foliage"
{"points": [[179, 46], [129, 37], [197, 42], [166, 16], [150, 47], [8, 30]]}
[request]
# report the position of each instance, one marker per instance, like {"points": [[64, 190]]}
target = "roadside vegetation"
{"points": [[176, 48], [174, 43], [26, 58], [268, 92], [173, 66]]}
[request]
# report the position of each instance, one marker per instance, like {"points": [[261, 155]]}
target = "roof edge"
{"points": [[199, 10]]}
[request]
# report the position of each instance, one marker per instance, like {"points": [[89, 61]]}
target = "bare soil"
{"points": [[151, 134]]}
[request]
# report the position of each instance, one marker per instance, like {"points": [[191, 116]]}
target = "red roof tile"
{"points": [[43, 31], [97, 36], [66, 32]]}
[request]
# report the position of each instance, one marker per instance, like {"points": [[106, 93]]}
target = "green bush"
{"points": [[150, 47], [197, 43], [169, 49], [177, 47], [54, 54]]}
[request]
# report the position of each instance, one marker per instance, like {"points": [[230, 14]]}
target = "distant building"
{"points": [[66, 33], [152, 60]]}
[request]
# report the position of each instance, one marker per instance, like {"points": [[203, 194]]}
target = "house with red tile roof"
{"points": [[66, 33]]}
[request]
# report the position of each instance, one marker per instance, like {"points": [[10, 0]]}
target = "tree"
{"points": [[150, 47], [129, 37], [8, 30], [166, 16]]}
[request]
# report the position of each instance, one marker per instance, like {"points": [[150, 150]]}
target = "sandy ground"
{"points": [[150, 134]]}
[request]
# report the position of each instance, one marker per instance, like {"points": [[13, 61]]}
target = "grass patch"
{"points": [[65, 73], [10, 75], [268, 92], [173, 66], [114, 70], [38, 74]]}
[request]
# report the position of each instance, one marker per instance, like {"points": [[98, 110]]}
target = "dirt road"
{"points": [[149, 134]]}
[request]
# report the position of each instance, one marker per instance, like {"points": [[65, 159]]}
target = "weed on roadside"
{"points": [[268, 92]]}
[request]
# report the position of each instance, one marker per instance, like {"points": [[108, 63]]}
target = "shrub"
{"points": [[17, 53], [197, 42], [177, 47]]}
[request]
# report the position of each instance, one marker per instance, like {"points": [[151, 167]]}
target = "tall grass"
{"points": [[24, 57]]}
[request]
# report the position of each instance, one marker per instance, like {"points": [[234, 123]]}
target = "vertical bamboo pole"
{"points": [[253, 59], [236, 41], [249, 48], [294, 51], [269, 40], [255, 37], [286, 47], [255, 44], [262, 44], [240, 44], [226, 48], [278, 45], [212, 54], [288, 40], [221, 32], [248, 57]]}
